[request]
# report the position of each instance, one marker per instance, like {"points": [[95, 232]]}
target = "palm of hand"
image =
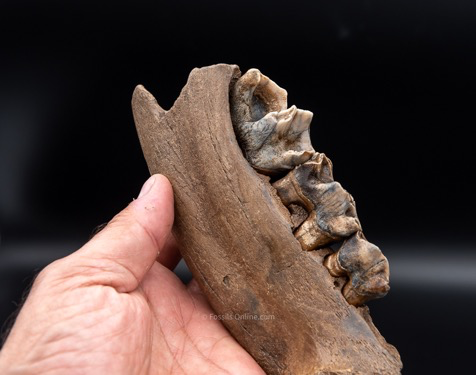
{"points": [[164, 327], [116, 307]]}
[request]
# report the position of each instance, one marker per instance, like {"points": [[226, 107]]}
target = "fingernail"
{"points": [[147, 187]]}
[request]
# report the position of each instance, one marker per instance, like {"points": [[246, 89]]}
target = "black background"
{"points": [[392, 87]]}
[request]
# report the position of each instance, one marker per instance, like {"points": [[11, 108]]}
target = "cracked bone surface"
{"points": [[274, 138]]}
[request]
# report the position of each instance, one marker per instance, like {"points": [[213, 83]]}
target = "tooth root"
{"points": [[332, 264]]}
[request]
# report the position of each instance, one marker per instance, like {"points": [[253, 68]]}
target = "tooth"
{"points": [[274, 138], [366, 267], [332, 214]]}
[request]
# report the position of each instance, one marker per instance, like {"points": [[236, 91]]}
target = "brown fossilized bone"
{"points": [[236, 235]]}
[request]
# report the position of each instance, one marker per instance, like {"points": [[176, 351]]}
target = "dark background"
{"points": [[392, 87]]}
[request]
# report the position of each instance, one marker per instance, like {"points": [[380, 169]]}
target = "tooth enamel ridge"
{"points": [[276, 142]]}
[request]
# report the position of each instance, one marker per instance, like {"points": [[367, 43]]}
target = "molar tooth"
{"points": [[366, 267], [332, 214], [274, 138]]}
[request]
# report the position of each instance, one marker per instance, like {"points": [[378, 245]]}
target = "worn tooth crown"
{"points": [[366, 267], [275, 139]]}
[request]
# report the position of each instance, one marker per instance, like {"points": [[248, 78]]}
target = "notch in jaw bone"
{"points": [[274, 138]]}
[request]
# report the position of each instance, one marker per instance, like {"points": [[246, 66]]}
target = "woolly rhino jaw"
{"points": [[274, 138]]}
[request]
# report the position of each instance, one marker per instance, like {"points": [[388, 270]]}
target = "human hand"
{"points": [[114, 306]]}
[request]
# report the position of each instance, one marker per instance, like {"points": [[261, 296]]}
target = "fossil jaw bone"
{"points": [[274, 138]]}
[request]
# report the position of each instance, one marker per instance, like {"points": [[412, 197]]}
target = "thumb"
{"points": [[122, 253]]}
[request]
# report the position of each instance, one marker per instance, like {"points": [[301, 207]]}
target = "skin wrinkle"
{"points": [[70, 362], [201, 354], [215, 344], [183, 328], [178, 310], [53, 369], [146, 365], [84, 314], [38, 342], [65, 274], [87, 274], [163, 336], [126, 267], [127, 327], [166, 341], [48, 358]]}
